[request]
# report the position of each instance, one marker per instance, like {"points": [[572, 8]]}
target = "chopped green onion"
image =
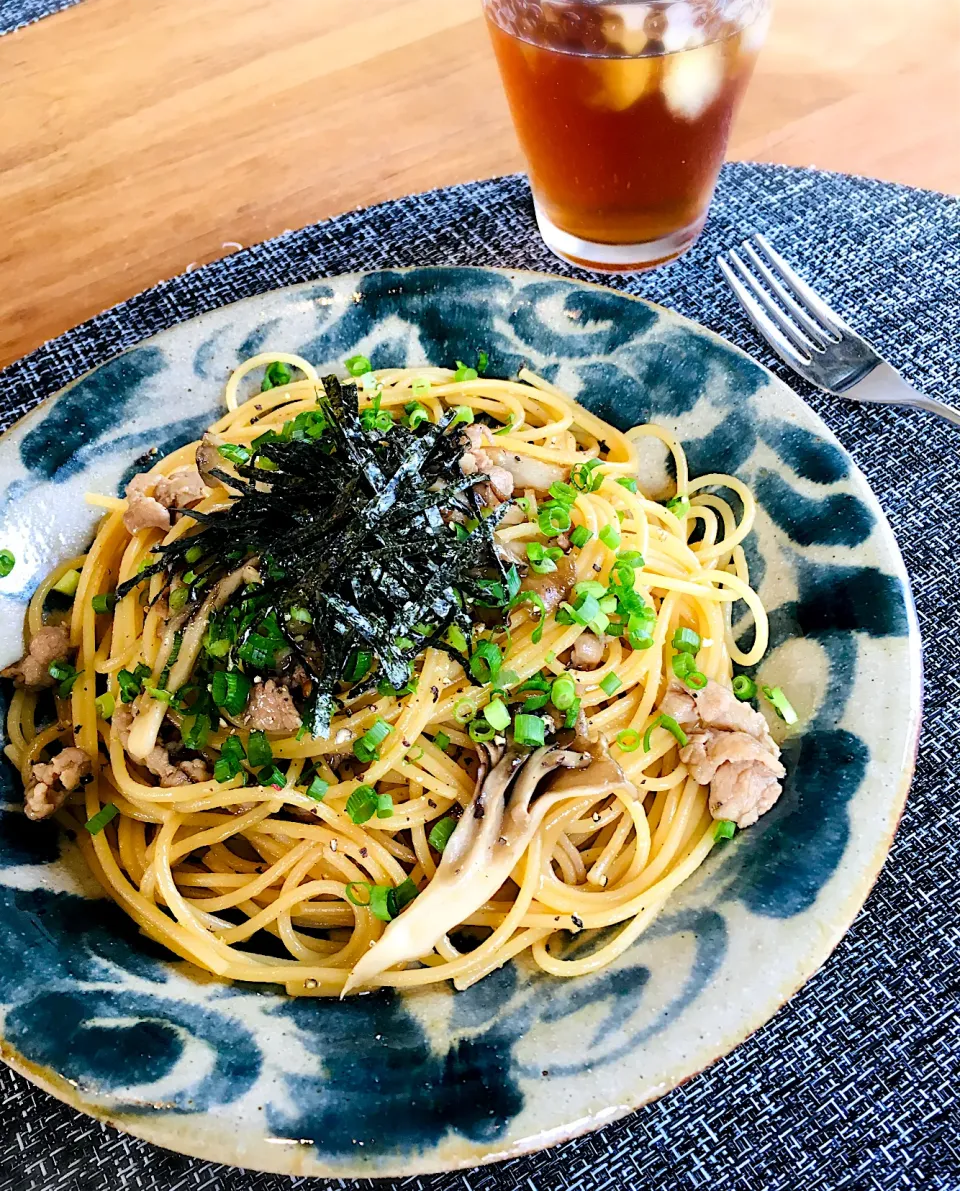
{"points": [[586, 477], [744, 688], [366, 749], [563, 692], [590, 587], [131, 684], [352, 897], [194, 554], [532, 597], [442, 741], [7, 563], [230, 690], [161, 694], [277, 374], [572, 714], [496, 715], [68, 583], [679, 506], [528, 730], [553, 519], [362, 804], [440, 833], [486, 662], [464, 373], [671, 725], [416, 415], [687, 641], [404, 894], [627, 482], [380, 902], [632, 558], [317, 789], [610, 537], [178, 598], [106, 705], [483, 361], [506, 429], [628, 740], [464, 711], [462, 417], [611, 684], [580, 536], [481, 731], [696, 681], [586, 609], [507, 678], [455, 638], [384, 806], [300, 615], [65, 675], [259, 752], [234, 452], [725, 829], [195, 737], [780, 703], [683, 664], [566, 494], [358, 365], [104, 603], [228, 764], [270, 775], [358, 666], [97, 822]]}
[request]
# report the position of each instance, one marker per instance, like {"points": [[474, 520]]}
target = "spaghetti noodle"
{"points": [[320, 841]]}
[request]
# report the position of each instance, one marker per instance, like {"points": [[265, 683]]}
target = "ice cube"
{"points": [[682, 31], [625, 28], [753, 37], [624, 81], [692, 81]]}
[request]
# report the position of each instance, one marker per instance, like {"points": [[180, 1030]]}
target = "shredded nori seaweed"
{"points": [[356, 527]]}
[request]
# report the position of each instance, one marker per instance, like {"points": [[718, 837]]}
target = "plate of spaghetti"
{"points": [[445, 709]]}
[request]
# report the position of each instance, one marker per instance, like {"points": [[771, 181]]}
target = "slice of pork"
{"points": [[729, 749], [51, 782], [50, 644]]}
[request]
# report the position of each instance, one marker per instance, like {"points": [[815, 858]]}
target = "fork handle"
{"points": [[885, 386]]}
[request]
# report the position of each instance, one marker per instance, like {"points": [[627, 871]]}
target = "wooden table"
{"points": [[140, 138]]}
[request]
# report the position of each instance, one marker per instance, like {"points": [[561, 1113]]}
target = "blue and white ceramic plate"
{"points": [[397, 1084]]}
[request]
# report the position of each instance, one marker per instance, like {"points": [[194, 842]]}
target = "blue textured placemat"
{"points": [[856, 1082], [14, 14]]}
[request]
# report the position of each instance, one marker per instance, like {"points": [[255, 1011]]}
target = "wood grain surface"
{"points": [[139, 138]]}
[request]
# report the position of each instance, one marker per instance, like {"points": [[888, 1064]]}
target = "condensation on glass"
{"points": [[623, 112]]}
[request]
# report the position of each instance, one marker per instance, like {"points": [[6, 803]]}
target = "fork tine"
{"points": [[770, 308], [814, 332], [812, 300], [762, 321]]}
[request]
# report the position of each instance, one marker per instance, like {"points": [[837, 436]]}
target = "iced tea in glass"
{"points": [[623, 111]]}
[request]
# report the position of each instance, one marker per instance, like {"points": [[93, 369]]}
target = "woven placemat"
{"points": [[856, 1082], [14, 14]]}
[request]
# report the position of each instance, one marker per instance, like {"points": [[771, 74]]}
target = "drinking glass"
{"points": [[623, 111]]}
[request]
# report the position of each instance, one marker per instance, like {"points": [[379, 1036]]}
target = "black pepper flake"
{"points": [[363, 852], [597, 567], [435, 691], [431, 803], [577, 922]]}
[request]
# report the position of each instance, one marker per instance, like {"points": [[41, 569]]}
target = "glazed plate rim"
{"points": [[313, 1161]]}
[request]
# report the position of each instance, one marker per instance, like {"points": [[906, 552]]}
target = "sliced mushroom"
{"points": [[493, 834]]}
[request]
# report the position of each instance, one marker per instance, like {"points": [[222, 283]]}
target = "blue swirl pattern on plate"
{"points": [[391, 1084]]}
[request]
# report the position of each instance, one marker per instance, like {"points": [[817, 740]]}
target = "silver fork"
{"points": [[813, 339]]}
